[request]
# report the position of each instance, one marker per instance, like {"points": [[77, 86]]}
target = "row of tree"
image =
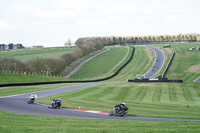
{"points": [[50, 65], [114, 40]]}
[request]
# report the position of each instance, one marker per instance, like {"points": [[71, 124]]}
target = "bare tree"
{"points": [[68, 43]]}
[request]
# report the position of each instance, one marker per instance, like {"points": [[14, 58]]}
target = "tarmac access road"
{"points": [[159, 61], [85, 61], [197, 80], [18, 104]]}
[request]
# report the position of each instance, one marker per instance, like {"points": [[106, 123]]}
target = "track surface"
{"points": [[159, 61], [197, 80], [18, 104]]}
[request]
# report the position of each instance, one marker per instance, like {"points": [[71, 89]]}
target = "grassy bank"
{"points": [[102, 65], [27, 54], [18, 78], [6, 91], [16, 123], [140, 64]]}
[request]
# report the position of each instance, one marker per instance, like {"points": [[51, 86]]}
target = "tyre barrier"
{"points": [[83, 81], [155, 80]]}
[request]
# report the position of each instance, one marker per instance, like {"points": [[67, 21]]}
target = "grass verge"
{"points": [[16, 123], [6, 91]]}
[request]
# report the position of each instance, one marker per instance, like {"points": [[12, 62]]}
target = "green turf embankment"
{"points": [[27, 54], [17, 123]]}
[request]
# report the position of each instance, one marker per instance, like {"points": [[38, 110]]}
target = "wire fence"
{"points": [[45, 73]]}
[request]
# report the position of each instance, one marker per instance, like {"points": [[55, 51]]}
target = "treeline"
{"points": [[114, 40], [50, 66]]}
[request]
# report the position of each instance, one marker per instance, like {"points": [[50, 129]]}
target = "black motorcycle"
{"points": [[119, 111]]}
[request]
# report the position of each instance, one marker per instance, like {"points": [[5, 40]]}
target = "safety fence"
{"points": [[172, 57], [155, 80], [44, 73]]}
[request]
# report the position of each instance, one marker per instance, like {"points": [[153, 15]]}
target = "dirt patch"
{"points": [[194, 69], [150, 53], [167, 51]]}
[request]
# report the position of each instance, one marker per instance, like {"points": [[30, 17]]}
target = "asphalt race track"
{"points": [[18, 104], [160, 58], [197, 80]]}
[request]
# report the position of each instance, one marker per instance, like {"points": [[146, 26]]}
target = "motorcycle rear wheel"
{"points": [[30, 101]]}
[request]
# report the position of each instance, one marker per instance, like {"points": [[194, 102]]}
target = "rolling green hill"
{"points": [[102, 65], [159, 100], [26, 54]]}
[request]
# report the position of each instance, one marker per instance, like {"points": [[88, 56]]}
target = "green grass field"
{"points": [[27, 54], [19, 78], [6, 91], [18, 123], [103, 64], [159, 100]]}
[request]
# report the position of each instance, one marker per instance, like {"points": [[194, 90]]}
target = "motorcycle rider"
{"points": [[33, 97], [118, 107], [56, 101]]}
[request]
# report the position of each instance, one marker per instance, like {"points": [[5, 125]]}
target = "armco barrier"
{"points": [[172, 57], [84, 81], [158, 80]]}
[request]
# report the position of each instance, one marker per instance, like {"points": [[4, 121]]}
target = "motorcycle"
{"points": [[55, 104], [32, 99], [119, 111]]}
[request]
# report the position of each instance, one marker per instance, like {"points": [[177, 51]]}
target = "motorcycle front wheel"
{"points": [[121, 113], [110, 113]]}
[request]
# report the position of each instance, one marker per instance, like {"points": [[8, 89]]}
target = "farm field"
{"points": [[26, 54]]}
